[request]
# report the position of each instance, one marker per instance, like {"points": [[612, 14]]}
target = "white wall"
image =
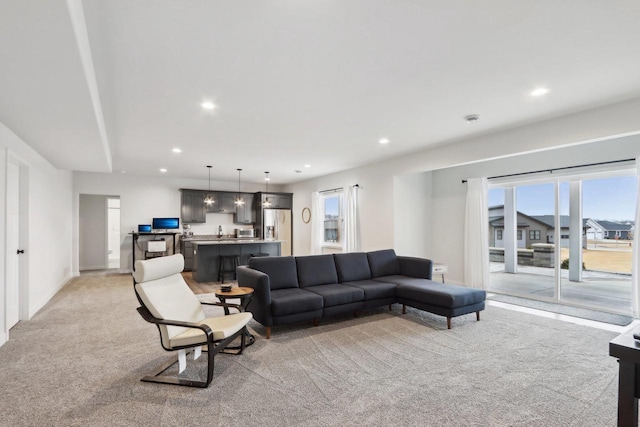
{"points": [[48, 243], [412, 214], [143, 198]]}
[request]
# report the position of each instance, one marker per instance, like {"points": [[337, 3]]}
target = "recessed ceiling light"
{"points": [[472, 118], [163, 170], [208, 105], [539, 91], [177, 150], [383, 141], [307, 165]]}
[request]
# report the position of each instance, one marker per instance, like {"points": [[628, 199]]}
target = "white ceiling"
{"points": [[297, 82]]}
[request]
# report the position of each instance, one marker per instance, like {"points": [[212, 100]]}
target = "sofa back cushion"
{"points": [[383, 263], [352, 266], [316, 270], [281, 270]]}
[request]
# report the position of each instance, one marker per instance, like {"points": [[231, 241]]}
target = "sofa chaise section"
{"points": [[416, 289]]}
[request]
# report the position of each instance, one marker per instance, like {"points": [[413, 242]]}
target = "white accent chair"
{"points": [[167, 301]]}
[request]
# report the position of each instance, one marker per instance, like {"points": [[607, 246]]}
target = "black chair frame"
{"points": [[213, 346]]}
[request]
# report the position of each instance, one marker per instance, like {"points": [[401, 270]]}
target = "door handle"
{"points": [[20, 251]]}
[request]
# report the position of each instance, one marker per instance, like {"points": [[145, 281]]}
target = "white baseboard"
{"points": [[37, 307], [3, 338]]}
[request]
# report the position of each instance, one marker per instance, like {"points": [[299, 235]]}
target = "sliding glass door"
{"points": [[564, 240], [596, 246], [521, 223]]}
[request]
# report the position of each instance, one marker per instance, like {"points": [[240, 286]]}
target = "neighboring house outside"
{"points": [[600, 229], [531, 229]]}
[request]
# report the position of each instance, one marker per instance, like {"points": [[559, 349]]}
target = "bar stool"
{"points": [[227, 264]]}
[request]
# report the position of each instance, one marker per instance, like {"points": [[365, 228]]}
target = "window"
{"points": [[534, 234], [519, 234], [498, 234], [332, 225]]}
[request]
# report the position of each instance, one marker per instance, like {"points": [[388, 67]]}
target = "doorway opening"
{"points": [[99, 232]]}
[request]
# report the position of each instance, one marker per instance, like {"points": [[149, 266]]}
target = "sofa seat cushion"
{"points": [[337, 294], [399, 279], [352, 266], [439, 294], [375, 289], [293, 301]]}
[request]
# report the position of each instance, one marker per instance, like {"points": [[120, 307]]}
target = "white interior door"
{"points": [[13, 245]]}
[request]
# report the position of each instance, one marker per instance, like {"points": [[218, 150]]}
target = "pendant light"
{"points": [[209, 199], [239, 200], [267, 202]]}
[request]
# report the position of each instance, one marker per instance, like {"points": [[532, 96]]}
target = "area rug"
{"points": [[79, 361], [583, 313]]}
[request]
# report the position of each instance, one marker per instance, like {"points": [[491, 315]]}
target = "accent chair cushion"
{"points": [[294, 301], [316, 270], [281, 270], [383, 263], [165, 294], [222, 327], [157, 268], [352, 266]]}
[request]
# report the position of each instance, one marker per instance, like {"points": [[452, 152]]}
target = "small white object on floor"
{"points": [[182, 360]]}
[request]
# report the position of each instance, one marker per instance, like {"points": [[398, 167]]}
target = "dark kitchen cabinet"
{"points": [[244, 212], [192, 209], [278, 201], [214, 206], [186, 248], [227, 202]]}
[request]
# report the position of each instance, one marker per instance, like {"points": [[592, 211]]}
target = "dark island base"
{"points": [[206, 257]]}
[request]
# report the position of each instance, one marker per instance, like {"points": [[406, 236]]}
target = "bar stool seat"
{"points": [[227, 265]]}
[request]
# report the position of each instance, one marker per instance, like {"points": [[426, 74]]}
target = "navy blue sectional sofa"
{"points": [[295, 289]]}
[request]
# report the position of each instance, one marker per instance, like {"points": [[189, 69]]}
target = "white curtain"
{"points": [[476, 235], [635, 261], [351, 220], [317, 229]]}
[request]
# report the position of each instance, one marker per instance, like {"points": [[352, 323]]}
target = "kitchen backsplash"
{"points": [[213, 221]]}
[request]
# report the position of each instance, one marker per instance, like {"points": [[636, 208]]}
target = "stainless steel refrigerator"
{"points": [[277, 226]]}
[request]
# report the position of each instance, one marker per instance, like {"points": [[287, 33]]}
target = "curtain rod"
{"points": [[333, 190], [558, 169]]}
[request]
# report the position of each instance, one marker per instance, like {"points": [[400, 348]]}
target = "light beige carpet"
{"points": [[79, 361]]}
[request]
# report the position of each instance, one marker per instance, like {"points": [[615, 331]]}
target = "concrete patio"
{"points": [[598, 290]]}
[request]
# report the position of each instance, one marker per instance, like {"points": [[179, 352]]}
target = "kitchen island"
{"points": [[206, 254]]}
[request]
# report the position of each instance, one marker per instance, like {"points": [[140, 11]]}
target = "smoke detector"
{"points": [[472, 118]]}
